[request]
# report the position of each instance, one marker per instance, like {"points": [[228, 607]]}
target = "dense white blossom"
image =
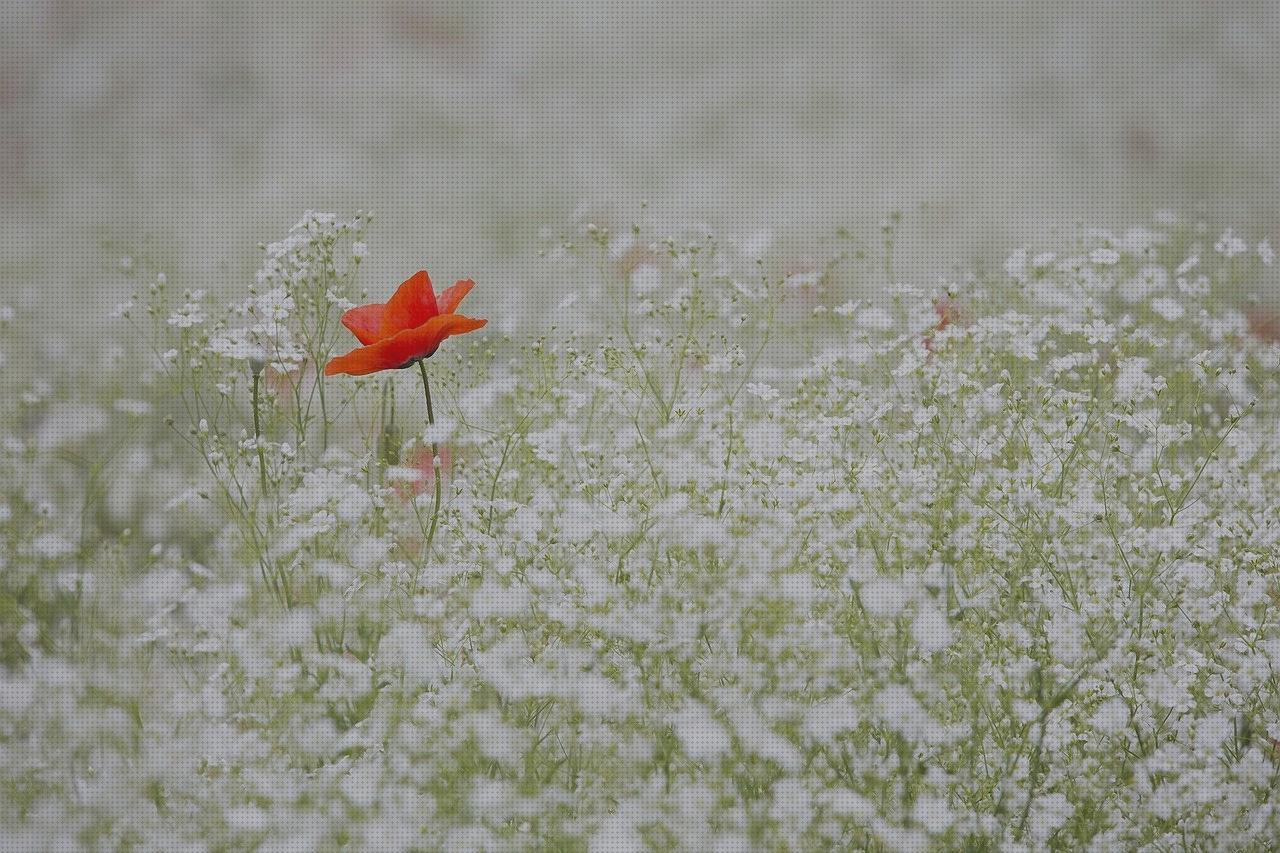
{"points": [[994, 571]]}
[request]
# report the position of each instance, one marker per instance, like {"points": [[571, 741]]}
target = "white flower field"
{"points": [[717, 562], [861, 431]]}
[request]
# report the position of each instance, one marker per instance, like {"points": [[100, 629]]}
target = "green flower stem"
{"points": [[257, 432], [435, 458]]}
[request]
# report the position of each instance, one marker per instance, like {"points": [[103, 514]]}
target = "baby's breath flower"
{"points": [[1266, 253], [763, 391], [189, 315], [1229, 245], [875, 318]]}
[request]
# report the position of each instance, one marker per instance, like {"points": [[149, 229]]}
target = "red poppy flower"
{"points": [[409, 328]]}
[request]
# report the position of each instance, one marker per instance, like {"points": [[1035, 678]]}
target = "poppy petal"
{"points": [[448, 299], [365, 322], [403, 348], [413, 304]]}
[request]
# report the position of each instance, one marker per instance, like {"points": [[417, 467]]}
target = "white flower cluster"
{"points": [[302, 252], [266, 339]]}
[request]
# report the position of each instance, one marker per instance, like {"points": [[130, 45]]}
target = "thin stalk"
{"points": [[257, 432], [728, 457], [324, 417], [435, 459]]}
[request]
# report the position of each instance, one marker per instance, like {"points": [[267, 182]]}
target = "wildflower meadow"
{"points": [[705, 556]]}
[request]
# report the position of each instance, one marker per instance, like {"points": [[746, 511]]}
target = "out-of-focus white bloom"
{"points": [[275, 305], [703, 737], [646, 278], [933, 814], [930, 629], [719, 363], [1198, 286], [68, 424], [266, 339], [52, 546], [883, 597], [1151, 279], [1168, 308], [1016, 264], [1133, 383], [1048, 813], [263, 344], [1266, 253], [132, 407], [876, 318], [1111, 716], [762, 390], [755, 246], [1229, 245], [191, 314], [1044, 260]]}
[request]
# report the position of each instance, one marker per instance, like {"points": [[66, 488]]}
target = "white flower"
{"points": [[719, 363], [267, 344], [359, 249], [646, 278], [800, 280], [876, 318], [275, 305], [51, 546], [187, 316], [1111, 717], [1266, 253], [133, 407], [338, 301], [1104, 257], [883, 597], [1198, 286], [1016, 264], [1168, 308], [763, 391], [703, 737], [934, 814], [931, 630], [1133, 383], [1229, 245], [1043, 260], [1048, 813]]}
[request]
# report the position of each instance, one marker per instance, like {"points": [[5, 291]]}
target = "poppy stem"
{"points": [[257, 433], [435, 458]]}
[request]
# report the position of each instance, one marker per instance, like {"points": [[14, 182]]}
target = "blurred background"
{"points": [[477, 131]]}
